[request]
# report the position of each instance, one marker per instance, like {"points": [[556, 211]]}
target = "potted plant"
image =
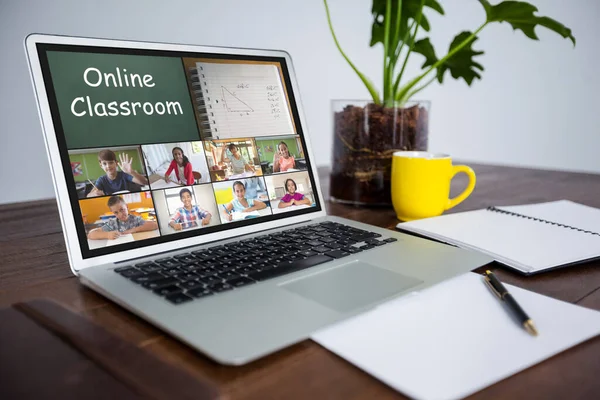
{"points": [[367, 133]]}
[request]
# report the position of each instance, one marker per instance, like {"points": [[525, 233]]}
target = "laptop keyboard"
{"points": [[202, 273]]}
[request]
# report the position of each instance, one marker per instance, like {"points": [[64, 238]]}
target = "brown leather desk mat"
{"points": [[47, 351]]}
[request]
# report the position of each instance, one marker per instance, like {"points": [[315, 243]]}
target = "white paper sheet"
{"points": [[238, 215], [456, 338], [120, 240]]}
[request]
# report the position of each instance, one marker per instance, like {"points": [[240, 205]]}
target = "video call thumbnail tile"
{"points": [[290, 191], [119, 219], [186, 208], [280, 154], [175, 164], [242, 199], [232, 159], [107, 171]]}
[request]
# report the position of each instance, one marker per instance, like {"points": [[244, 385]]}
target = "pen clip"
{"points": [[493, 289]]}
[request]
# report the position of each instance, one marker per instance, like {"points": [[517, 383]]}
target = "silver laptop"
{"points": [[189, 195]]}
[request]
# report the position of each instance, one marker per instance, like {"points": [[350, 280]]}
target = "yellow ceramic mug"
{"points": [[421, 184]]}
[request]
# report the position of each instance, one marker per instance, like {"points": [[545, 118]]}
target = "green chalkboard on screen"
{"points": [[107, 100]]}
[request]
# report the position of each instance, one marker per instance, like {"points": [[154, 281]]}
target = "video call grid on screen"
{"points": [[159, 130]]}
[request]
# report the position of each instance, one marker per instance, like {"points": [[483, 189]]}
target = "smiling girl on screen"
{"points": [[241, 203], [283, 160], [292, 197], [182, 167]]}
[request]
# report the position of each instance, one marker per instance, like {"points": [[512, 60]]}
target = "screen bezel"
{"points": [[67, 199]]}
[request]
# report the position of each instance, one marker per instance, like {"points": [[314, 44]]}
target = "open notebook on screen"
{"points": [[530, 238]]}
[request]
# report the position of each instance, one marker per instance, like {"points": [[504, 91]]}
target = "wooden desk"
{"points": [[34, 264]]}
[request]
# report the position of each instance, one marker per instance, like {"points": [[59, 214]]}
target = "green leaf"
{"points": [[520, 16], [425, 48], [410, 11], [461, 64]]}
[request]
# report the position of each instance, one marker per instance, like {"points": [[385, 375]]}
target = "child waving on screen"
{"points": [[115, 180], [283, 160]]}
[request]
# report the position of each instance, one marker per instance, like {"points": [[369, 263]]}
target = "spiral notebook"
{"points": [[529, 238], [238, 100]]}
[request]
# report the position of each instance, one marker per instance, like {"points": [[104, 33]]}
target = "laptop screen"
{"points": [[157, 146]]}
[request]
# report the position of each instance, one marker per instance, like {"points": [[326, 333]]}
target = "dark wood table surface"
{"points": [[33, 264]]}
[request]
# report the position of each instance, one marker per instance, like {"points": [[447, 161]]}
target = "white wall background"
{"points": [[537, 104]]}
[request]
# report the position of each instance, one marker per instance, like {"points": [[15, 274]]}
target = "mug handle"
{"points": [[461, 197]]}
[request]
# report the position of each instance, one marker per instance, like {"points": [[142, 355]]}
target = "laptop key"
{"points": [[307, 253], [228, 275], [169, 264], [167, 290], [225, 267], [374, 242], [172, 271], [245, 270], [132, 272], [190, 267], [321, 249], [294, 266], [205, 272], [211, 280], [160, 283], [151, 268], [351, 250], [328, 240], [265, 266], [155, 276], [220, 287], [185, 258], [337, 254], [140, 265], [199, 292], [186, 276], [179, 298], [190, 285], [390, 240], [241, 281], [122, 269]]}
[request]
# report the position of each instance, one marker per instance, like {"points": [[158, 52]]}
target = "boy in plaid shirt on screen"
{"points": [[188, 216]]}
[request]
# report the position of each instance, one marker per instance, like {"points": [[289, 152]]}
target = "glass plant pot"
{"points": [[366, 135]]}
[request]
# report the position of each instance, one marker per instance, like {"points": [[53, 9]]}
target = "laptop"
{"points": [[188, 194]]}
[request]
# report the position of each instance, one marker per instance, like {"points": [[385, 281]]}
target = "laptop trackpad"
{"points": [[351, 286]]}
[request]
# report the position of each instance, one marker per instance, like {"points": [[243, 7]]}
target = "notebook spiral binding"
{"points": [[514, 214]]}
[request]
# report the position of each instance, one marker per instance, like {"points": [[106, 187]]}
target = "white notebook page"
{"points": [[246, 100], [525, 244], [563, 212]]}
